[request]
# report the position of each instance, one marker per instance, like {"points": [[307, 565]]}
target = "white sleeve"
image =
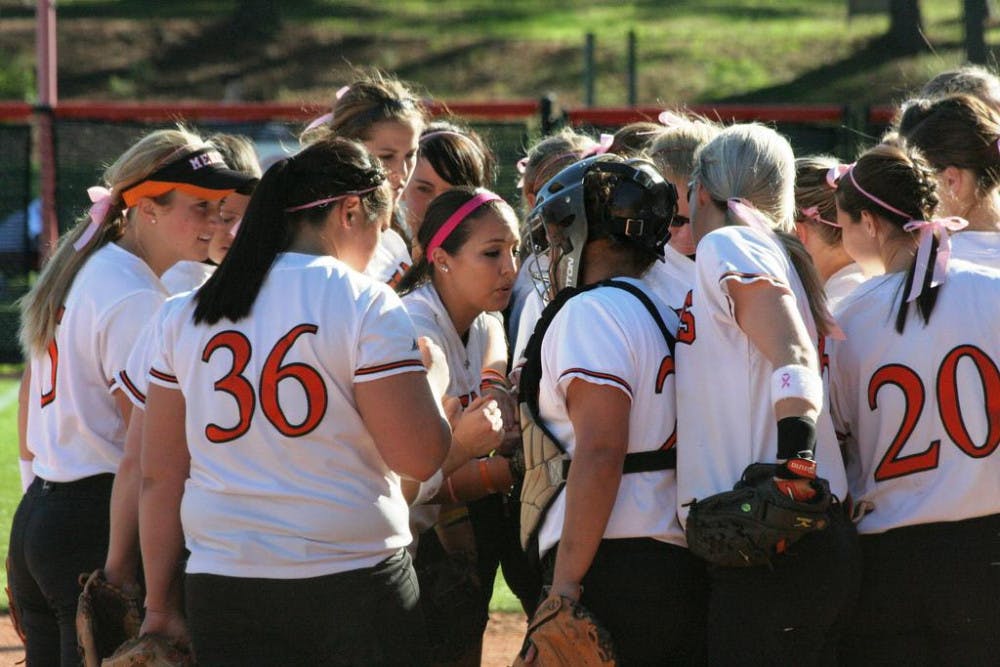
{"points": [[133, 379], [586, 341], [387, 340], [119, 329], [734, 254], [161, 341]]}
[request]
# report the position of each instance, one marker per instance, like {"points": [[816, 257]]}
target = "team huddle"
{"points": [[704, 401]]}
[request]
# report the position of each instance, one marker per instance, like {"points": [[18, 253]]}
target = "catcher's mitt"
{"points": [[563, 632], [151, 650], [756, 521], [106, 616]]}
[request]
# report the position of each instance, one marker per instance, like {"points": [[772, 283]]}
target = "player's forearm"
{"points": [[162, 539], [591, 490], [122, 563]]}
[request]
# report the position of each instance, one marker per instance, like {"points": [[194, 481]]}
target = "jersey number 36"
{"points": [[240, 388]]}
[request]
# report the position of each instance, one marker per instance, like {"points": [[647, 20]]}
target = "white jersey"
{"points": [[75, 428], [133, 379], [286, 481], [533, 267], [672, 278], [391, 259], [531, 311], [840, 285], [981, 248], [918, 412], [726, 416], [622, 348], [185, 276]]}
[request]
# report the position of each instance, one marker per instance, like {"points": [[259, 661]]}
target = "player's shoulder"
{"points": [[620, 304], [740, 244], [112, 273]]}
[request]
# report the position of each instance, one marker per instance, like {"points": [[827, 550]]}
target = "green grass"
{"points": [[10, 478], [503, 600]]}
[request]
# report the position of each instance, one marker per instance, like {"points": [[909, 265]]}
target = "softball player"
{"points": [[275, 438], [968, 80], [465, 275], [387, 117], [960, 137], [79, 324], [449, 156], [816, 226], [608, 540], [121, 567], [545, 159], [914, 396], [672, 151], [749, 390]]}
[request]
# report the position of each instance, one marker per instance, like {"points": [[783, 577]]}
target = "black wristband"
{"points": [[795, 435]]}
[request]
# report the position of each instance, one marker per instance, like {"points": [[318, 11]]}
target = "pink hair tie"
{"points": [[327, 117], [836, 173], [927, 228], [748, 214], [522, 165], [600, 148], [463, 212], [327, 200], [812, 213], [101, 204], [870, 196], [670, 119]]}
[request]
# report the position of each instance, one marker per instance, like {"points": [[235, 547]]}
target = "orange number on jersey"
{"points": [[893, 465], [237, 386], [306, 375], [666, 370], [50, 395], [686, 332], [233, 383], [951, 413]]}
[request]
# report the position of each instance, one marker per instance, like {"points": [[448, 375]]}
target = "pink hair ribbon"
{"points": [[600, 148], [327, 200], [746, 213], [101, 204], [927, 228], [522, 165], [812, 213], [327, 117], [670, 119], [850, 174], [466, 209], [836, 173]]}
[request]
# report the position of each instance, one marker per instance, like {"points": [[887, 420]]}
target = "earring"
{"points": [[445, 269], [152, 221]]}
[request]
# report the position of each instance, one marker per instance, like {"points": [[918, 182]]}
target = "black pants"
{"points": [[60, 531], [650, 596], [930, 596], [362, 617], [496, 523], [792, 613]]}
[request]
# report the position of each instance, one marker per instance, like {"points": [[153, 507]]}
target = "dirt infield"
{"points": [[502, 640]]}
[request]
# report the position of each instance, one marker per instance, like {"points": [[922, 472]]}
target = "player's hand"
{"points": [[452, 410], [796, 478], [169, 623], [480, 428], [511, 419]]}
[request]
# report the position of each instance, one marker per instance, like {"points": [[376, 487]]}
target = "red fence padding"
{"points": [[118, 111], [15, 111], [776, 113], [881, 115]]}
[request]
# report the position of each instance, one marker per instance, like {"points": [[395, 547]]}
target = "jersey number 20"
{"points": [[239, 387], [894, 465]]}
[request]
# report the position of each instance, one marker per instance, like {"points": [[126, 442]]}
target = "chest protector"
{"points": [[546, 463]]}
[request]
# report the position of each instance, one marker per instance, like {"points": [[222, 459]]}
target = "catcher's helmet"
{"points": [[601, 197]]}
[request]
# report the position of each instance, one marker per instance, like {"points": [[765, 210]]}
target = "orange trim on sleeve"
{"points": [[160, 375], [595, 374], [126, 382], [415, 363]]}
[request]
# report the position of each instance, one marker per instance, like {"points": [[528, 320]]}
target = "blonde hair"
{"points": [[755, 163], [41, 305], [813, 189], [238, 152], [374, 96], [673, 149], [550, 156]]}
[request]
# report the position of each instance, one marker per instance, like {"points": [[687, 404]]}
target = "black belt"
{"points": [[657, 459], [100, 481]]}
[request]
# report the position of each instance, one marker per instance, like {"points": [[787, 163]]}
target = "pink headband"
{"points": [[101, 204], [601, 148], [327, 117], [327, 200], [670, 119], [812, 213], [442, 234], [927, 228]]}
